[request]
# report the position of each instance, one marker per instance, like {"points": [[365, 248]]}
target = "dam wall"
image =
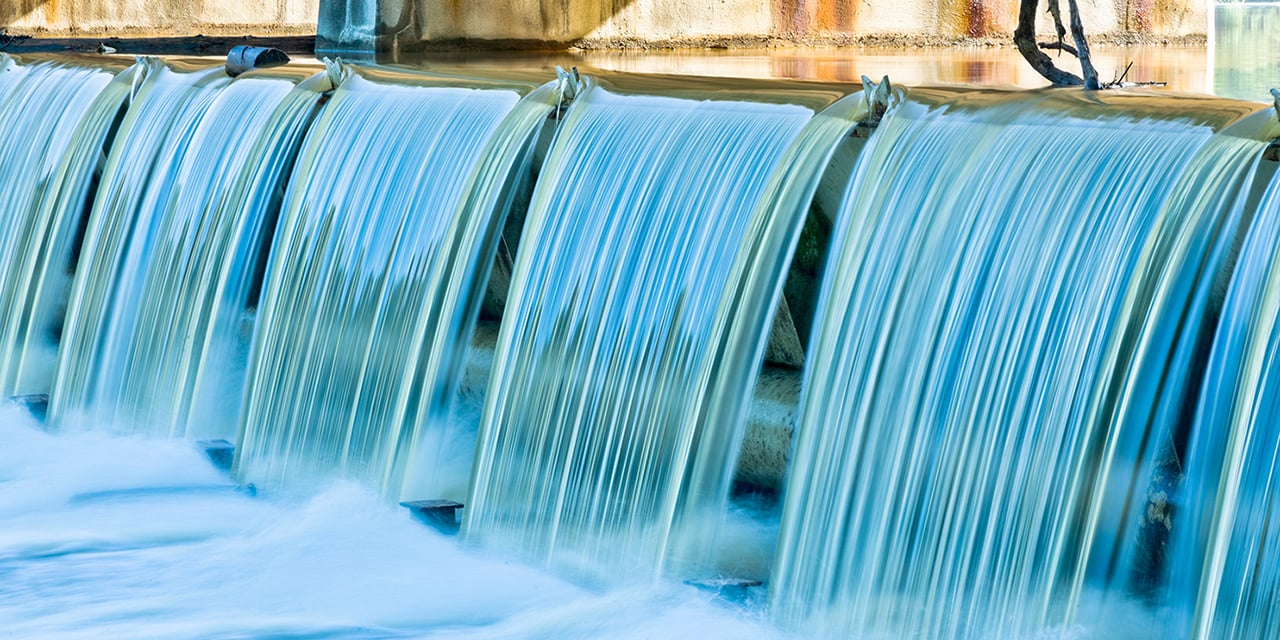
{"points": [[594, 23], [90, 18], [676, 21]]}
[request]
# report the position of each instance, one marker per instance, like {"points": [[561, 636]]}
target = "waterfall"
{"points": [[182, 360], [1155, 402], [57, 119], [178, 231], [369, 298], [156, 130], [615, 404], [978, 315], [1224, 513]]}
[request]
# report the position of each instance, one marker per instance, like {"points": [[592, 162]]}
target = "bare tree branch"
{"points": [[1025, 38], [1059, 46], [1124, 75], [1082, 47], [1055, 10]]}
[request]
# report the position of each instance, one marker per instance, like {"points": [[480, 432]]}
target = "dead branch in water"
{"points": [[1082, 47], [1025, 39], [1059, 46]]}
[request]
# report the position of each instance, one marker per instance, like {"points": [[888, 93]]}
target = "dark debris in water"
{"points": [[220, 452]]}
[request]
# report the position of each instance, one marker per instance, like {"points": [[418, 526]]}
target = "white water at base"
{"points": [[110, 537]]}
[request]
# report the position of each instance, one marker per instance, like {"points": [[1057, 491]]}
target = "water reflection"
{"points": [[1245, 50], [1183, 68]]}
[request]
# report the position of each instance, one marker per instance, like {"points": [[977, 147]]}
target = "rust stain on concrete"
{"points": [[626, 21], [835, 16]]}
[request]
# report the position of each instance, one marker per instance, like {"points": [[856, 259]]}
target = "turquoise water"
{"points": [[1036, 382], [960, 417], [351, 299], [168, 359], [57, 118], [1231, 460], [608, 336]]}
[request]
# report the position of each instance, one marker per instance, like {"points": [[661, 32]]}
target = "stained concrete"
{"points": [[658, 21], [406, 24], [641, 23], [159, 17]]}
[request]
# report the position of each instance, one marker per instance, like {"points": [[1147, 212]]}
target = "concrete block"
{"points": [[735, 590], [441, 515]]}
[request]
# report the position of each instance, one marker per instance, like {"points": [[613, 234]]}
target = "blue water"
{"points": [[164, 294], [360, 302], [124, 537], [596, 450], [962, 453], [1020, 302]]}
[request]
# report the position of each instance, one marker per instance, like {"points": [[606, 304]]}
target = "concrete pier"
{"points": [[366, 26], [385, 25]]}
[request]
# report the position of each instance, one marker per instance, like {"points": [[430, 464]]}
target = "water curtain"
{"points": [[1038, 389], [1225, 513], [56, 120], [173, 335], [959, 417], [649, 267], [127, 211], [370, 295]]}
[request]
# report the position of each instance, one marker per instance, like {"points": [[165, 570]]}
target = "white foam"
{"points": [[116, 537]]}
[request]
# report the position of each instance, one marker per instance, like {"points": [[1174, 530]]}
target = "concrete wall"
{"points": [[599, 21], [567, 20], [676, 20], [158, 17]]}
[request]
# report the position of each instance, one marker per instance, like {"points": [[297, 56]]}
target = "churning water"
{"points": [[122, 537]]}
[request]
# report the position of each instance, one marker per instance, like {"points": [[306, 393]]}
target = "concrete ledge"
{"points": [[441, 515], [734, 590], [17, 42], [220, 453]]}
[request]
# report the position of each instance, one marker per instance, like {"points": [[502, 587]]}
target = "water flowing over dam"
{"points": [[962, 397], [358, 316], [603, 321], [925, 362]]}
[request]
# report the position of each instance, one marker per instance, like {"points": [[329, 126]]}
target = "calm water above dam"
{"points": [[1184, 68]]}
